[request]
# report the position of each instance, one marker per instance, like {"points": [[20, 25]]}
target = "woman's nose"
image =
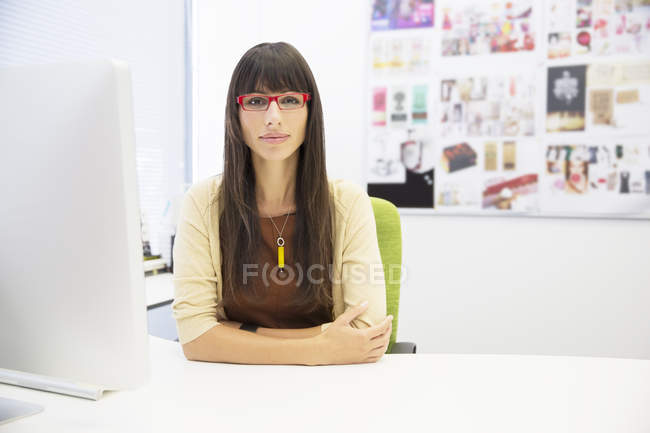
{"points": [[273, 113]]}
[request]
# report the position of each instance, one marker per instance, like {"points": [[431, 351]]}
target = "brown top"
{"points": [[276, 291]]}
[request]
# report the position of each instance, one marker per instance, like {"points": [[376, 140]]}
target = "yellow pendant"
{"points": [[281, 257], [280, 242]]}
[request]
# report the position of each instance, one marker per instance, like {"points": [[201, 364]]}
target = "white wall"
{"points": [[473, 284], [327, 34], [150, 40], [219, 41]]}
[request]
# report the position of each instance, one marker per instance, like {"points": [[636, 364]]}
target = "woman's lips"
{"points": [[274, 140]]}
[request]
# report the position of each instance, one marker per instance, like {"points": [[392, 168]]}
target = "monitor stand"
{"points": [[11, 410], [51, 384]]}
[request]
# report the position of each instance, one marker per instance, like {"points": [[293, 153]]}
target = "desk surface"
{"points": [[423, 392]]}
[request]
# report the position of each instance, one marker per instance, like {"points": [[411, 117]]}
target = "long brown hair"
{"points": [[275, 67]]}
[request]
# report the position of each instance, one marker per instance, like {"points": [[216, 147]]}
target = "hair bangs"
{"points": [[273, 71]]}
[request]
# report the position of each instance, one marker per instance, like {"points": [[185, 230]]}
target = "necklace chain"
{"points": [[276, 227]]}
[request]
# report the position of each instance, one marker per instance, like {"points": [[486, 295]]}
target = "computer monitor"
{"points": [[72, 298]]}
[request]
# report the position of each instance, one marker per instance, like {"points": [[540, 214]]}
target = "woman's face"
{"points": [[290, 124]]}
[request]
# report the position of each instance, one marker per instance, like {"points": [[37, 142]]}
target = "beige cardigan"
{"points": [[356, 270]]}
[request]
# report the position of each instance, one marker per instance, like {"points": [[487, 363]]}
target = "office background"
{"points": [[471, 285]]}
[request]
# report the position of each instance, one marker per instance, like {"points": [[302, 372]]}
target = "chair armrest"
{"points": [[403, 348]]}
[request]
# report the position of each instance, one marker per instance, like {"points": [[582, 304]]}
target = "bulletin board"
{"points": [[519, 107]]}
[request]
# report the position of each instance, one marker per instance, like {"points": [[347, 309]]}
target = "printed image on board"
{"points": [[481, 27], [565, 99], [489, 154], [458, 194], [509, 155], [478, 175], [385, 158], [487, 106], [458, 177], [518, 194], [569, 26], [560, 16], [597, 178], [559, 45], [399, 104], [401, 14], [561, 28], [380, 15], [458, 157], [392, 56], [583, 13], [621, 27], [379, 106], [618, 96], [419, 110], [415, 151], [597, 27]]}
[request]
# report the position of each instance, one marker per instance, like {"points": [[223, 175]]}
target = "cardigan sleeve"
{"points": [[195, 283], [362, 271]]}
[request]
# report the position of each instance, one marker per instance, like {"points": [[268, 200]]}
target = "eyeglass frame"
{"points": [[306, 96]]}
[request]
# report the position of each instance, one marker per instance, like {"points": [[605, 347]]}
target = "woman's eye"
{"points": [[290, 100], [256, 101]]}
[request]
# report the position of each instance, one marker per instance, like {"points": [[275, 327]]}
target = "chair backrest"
{"points": [[389, 235]]}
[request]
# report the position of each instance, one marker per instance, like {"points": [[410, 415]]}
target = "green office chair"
{"points": [[389, 235]]}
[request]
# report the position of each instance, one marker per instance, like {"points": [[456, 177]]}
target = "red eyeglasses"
{"points": [[285, 101]]}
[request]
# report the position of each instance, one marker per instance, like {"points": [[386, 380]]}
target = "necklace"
{"points": [[280, 242]]}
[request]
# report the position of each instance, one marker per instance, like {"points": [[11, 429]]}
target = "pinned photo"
{"points": [[565, 101], [577, 176], [583, 40], [491, 156], [458, 157], [478, 27], [601, 105], [559, 45], [599, 27], [400, 55], [583, 14], [458, 194], [516, 194], [619, 97], [379, 106], [416, 151], [419, 113], [487, 106], [398, 107], [509, 155], [384, 165], [401, 14]]}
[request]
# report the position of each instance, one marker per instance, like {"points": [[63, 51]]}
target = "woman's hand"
{"points": [[343, 344]]}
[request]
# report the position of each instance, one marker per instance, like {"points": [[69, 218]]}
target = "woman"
{"points": [[271, 246]]}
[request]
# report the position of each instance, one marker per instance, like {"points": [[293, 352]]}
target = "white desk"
{"points": [[423, 392]]}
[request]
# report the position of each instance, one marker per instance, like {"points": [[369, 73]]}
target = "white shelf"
{"points": [[154, 265], [159, 288]]}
